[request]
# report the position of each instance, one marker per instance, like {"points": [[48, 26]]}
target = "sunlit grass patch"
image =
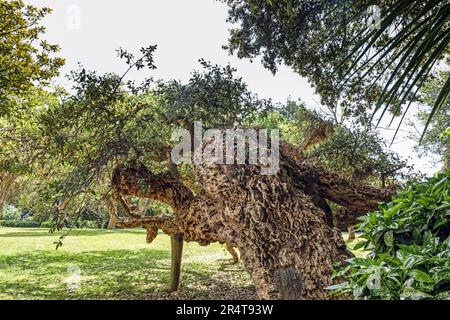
{"points": [[113, 264]]}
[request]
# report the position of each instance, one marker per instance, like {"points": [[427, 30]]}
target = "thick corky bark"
{"points": [[351, 195], [277, 227], [140, 182], [280, 224]]}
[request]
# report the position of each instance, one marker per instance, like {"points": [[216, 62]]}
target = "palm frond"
{"points": [[412, 37]]}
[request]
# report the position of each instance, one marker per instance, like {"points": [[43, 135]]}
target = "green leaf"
{"points": [[389, 238], [414, 294], [360, 244], [421, 276]]}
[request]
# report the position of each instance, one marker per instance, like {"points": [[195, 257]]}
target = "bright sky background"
{"points": [[89, 32]]}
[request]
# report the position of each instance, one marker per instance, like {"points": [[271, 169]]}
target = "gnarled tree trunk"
{"points": [[281, 223]]}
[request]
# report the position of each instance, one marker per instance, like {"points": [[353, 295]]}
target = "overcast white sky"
{"points": [[90, 31]]}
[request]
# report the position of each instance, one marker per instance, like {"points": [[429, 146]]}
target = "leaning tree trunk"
{"points": [[280, 223]]}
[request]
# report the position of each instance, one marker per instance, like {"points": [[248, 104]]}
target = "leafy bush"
{"points": [[25, 223], [11, 213], [46, 224], [15, 217], [409, 240], [90, 225]]}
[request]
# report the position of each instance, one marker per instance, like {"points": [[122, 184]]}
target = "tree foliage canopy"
{"points": [[26, 60], [351, 62]]}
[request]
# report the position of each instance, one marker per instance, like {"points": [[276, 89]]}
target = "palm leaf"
{"points": [[407, 57]]}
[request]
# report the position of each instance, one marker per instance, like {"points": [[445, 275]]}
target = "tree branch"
{"points": [[354, 196], [138, 181], [168, 224]]}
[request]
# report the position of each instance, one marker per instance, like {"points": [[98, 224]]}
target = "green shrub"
{"points": [[409, 243], [46, 224], [11, 213], [14, 217], [25, 223]]}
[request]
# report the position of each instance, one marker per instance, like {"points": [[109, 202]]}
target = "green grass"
{"points": [[359, 253], [113, 264]]}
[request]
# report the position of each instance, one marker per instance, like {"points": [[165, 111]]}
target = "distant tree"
{"points": [[21, 143], [435, 141], [26, 65]]}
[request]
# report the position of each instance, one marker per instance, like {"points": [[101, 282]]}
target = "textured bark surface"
{"points": [[281, 224]]}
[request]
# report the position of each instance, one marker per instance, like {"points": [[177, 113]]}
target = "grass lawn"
{"points": [[113, 264]]}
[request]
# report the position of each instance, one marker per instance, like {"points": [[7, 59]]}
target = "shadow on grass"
{"points": [[44, 275], [115, 274]]}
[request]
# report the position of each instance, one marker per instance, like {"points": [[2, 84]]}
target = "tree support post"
{"points": [[176, 242], [351, 233]]}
